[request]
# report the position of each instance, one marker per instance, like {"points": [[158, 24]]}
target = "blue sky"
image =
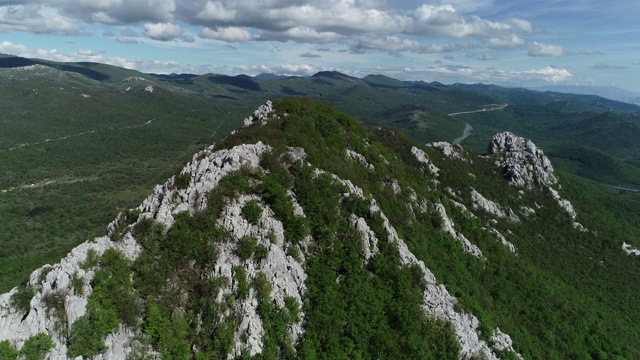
{"points": [[514, 43]]}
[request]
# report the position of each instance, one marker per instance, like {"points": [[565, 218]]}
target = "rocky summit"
{"points": [[305, 235]]}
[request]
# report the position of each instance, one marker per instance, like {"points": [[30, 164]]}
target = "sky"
{"points": [[510, 43]]}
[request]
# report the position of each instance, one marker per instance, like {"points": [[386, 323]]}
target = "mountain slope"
{"points": [[304, 235]]}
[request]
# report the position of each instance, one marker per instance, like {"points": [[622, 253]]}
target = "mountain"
{"points": [[80, 141], [306, 235], [609, 92]]}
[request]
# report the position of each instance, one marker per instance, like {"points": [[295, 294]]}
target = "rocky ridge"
{"points": [[286, 274]]}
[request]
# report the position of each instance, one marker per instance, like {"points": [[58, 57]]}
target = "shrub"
{"points": [[7, 352], [245, 248], [36, 347], [90, 261], [252, 212], [242, 286], [182, 181], [21, 299], [77, 284], [262, 286], [261, 252]]}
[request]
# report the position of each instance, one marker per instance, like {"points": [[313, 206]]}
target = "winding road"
{"points": [[465, 134], [493, 107]]}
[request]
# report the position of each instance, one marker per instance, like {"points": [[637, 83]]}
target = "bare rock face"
{"points": [[447, 149], [261, 114], [422, 157], [523, 164]]}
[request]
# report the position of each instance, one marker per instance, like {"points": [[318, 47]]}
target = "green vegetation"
{"points": [[112, 302], [251, 211], [7, 352], [21, 299], [35, 348]]}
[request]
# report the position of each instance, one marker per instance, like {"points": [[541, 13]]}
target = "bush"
{"points": [[261, 252], [182, 181], [246, 247], [37, 347], [77, 284], [90, 261], [21, 299], [7, 352], [242, 286], [252, 212]]}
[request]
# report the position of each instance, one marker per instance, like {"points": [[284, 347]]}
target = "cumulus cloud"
{"points": [[230, 34], [118, 11], [551, 74], [601, 66], [486, 57], [445, 21], [36, 19], [163, 31], [301, 34], [540, 49], [524, 25], [309, 55], [364, 25]]}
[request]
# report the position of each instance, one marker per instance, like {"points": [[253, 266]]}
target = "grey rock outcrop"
{"points": [[261, 114], [523, 164], [447, 149], [422, 158], [480, 202], [629, 249], [449, 228], [360, 159]]}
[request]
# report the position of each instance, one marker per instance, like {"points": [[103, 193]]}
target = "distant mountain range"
{"points": [[609, 92]]}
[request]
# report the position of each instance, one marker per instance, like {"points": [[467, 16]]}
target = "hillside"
{"points": [[81, 141], [306, 235]]}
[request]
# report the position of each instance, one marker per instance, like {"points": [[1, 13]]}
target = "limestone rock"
{"points": [[360, 159], [491, 207], [448, 227], [422, 158], [629, 249], [503, 241], [261, 114], [447, 149], [523, 164]]}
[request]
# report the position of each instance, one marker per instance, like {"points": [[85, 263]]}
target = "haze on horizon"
{"points": [[511, 43]]}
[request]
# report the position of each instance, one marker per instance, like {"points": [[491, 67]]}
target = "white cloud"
{"points": [[524, 25], [486, 57], [551, 74], [36, 19], [540, 49], [301, 34], [231, 34], [215, 11], [163, 31], [118, 11], [445, 21], [391, 44]]}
